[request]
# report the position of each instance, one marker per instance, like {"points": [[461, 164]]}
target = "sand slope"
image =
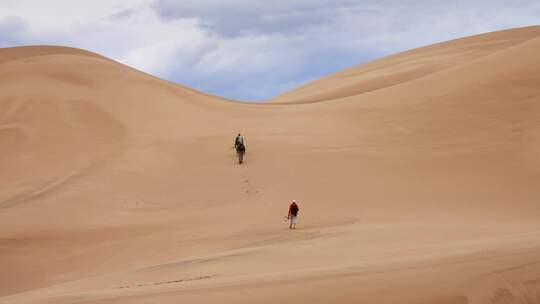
{"points": [[407, 66], [416, 176]]}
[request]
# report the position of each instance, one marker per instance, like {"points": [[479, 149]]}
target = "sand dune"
{"points": [[417, 177], [407, 66]]}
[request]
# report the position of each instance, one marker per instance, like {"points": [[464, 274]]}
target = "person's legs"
{"points": [[240, 155], [293, 222]]}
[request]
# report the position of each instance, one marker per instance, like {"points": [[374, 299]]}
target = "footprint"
{"points": [[170, 282]]}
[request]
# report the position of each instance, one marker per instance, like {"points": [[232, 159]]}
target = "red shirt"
{"points": [[293, 209]]}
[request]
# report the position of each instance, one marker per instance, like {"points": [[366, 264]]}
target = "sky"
{"points": [[252, 50]]}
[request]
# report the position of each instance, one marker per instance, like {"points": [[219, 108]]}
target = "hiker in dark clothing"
{"points": [[240, 148]]}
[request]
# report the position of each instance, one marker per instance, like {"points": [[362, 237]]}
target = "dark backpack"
{"points": [[294, 210]]}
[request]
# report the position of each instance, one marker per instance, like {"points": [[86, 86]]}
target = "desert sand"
{"points": [[417, 177]]}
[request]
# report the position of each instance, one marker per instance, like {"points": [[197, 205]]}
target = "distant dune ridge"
{"points": [[416, 174]]}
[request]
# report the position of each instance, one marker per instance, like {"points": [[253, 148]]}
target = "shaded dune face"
{"points": [[48, 135], [416, 174], [48, 142]]}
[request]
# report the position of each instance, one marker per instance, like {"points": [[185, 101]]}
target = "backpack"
{"points": [[294, 210]]}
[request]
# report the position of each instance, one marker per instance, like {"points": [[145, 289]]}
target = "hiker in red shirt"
{"points": [[293, 212]]}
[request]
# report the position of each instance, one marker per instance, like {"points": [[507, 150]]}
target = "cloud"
{"points": [[252, 49], [10, 29], [283, 42], [239, 17]]}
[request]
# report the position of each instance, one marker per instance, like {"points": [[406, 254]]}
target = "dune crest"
{"points": [[407, 66]]}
